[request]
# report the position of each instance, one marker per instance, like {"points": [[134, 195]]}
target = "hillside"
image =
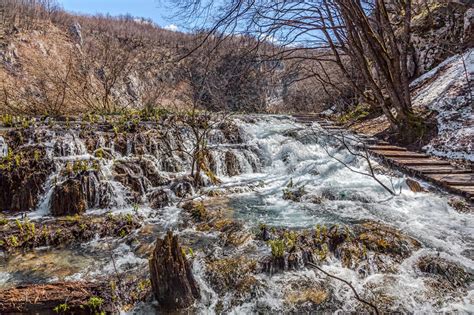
{"points": [[56, 63]]}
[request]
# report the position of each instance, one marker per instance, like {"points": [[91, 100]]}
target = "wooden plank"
{"points": [[466, 189], [468, 177], [410, 162], [438, 170], [400, 154], [386, 147], [454, 179]]}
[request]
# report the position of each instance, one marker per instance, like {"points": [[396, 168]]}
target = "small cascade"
{"points": [[3, 147], [280, 202], [69, 145], [218, 162]]}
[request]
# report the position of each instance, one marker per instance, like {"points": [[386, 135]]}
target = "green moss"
{"points": [[61, 308], [199, 212], [12, 241], [95, 303], [358, 113], [277, 247], [3, 220], [8, 120]]}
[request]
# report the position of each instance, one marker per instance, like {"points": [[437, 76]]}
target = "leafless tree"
{"points": [[373, 34], [110, 59]]}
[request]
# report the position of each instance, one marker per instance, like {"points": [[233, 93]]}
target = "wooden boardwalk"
{"points": [[434, 170]]}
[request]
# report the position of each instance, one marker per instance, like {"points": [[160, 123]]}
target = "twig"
{"points": [[119, 279], [358, 298]]}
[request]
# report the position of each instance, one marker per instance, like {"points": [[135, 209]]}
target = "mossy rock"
{"points": [[232, 274], [387, 240], [448, 271]]}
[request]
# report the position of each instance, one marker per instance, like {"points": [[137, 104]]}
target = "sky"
{"points": [[155, 10]]}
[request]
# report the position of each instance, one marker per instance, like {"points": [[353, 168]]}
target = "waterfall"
{"points": [[3, 147], [274, 173]]}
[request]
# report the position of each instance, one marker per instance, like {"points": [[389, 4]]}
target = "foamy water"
{"points": [[278, 151]]}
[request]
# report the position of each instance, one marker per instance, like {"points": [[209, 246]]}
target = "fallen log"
{"points": [[77, 297], [71, 297]]}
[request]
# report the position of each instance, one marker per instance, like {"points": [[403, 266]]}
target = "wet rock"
{"points": [[329, 195], [468, 38], [68, 145], [232, 232], [291, 250], [91, 188], [314, 297], [384, 239], [170, 164], [235, 237], [368, 248], [234, 274], [173, 284], [22, 176], [139, 175], [140, 144], [103, 153], [448, 270], [103, 296], [183, 187], [231, 132], [151, 172], [159, 199], [264, 233], [292, 133], [414, 185], [461, 205], [76, 195], [435, 32], [317, 200], [68, 198], [121, 144], [294, 193], [210, 161], [130, 174], [231, 163], [25, 234], [273, 264]]}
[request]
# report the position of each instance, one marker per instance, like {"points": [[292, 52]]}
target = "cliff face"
{"points": [[440, 29]]}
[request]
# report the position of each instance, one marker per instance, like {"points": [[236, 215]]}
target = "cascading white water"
{"points": [[300, 156], [278, 151], [3, 147]]}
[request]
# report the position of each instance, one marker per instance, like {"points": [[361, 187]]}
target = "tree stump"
{"points": [[173, 283]]}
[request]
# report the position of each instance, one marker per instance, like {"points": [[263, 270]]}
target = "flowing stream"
{"points": [[276, 154]]}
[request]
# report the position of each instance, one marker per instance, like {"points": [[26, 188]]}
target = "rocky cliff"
{"points": [[440, 29]]}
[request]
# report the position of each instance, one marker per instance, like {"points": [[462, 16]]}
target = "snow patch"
{"points": [[447, 89]]}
